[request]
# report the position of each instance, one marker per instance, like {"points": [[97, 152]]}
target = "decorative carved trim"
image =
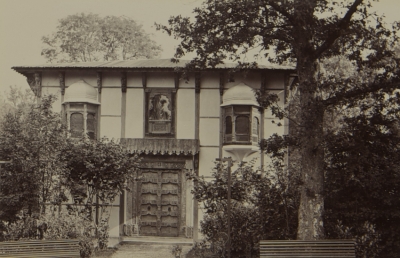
{"points": [[221, 83], [61, 76], [35, 82], [176, 78], [263, 82], [123, 82], [144, 80], [197, 81], [99, 82]]}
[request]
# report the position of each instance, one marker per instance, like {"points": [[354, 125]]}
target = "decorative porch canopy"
{"points": [[161, 146]]}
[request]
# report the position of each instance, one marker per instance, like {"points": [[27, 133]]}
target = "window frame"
{"points": [[236, 111], [85, 109]]}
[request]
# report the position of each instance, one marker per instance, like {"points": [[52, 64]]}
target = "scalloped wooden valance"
{"points": [[161, 146]]}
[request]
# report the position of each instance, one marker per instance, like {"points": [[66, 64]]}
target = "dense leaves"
{"points": [[363, 175], [306, 33], [89, 37], [264, 206], [50, 172], [33, 142]]}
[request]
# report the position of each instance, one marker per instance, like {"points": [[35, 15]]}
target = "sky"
{"points": [[24, 22]]}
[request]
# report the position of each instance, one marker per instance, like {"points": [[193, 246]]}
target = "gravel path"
{"points": [[147, 251]]}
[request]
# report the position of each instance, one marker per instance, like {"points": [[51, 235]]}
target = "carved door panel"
{"points": [[159, 202]]}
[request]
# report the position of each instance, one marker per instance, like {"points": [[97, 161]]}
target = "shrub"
{"points": [[263, 206]]}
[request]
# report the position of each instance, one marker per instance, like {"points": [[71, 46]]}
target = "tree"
{"points": [[89, 37], [264, 206], [306, 33], [33, 141], [97, 172], [16, 99]]}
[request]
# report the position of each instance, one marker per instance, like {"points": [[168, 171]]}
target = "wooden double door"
{"points": [[158, 205]]}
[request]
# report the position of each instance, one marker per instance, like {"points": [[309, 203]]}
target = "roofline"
{"points": [[22, 69]]}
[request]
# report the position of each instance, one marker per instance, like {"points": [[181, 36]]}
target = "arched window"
{"points": [[76, 125], [81, 119], [240, 116]]}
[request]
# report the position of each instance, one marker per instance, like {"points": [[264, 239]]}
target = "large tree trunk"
{"points": [[310, 224]]}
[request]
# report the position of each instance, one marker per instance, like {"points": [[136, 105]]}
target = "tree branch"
{"points": [[335, 34], [357, 92], [282, 11]]}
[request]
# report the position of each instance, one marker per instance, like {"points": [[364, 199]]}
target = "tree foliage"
{"points": [[361, 144], [89, 37], [305, 33], [264, 206], [33, 142], [97, 172], [15, 100]]}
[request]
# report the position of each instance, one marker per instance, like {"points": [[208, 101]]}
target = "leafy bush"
{"points": [[263, 206]]}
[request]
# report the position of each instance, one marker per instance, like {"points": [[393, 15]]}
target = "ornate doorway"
{"points": [[159, 202], [156, 206]]}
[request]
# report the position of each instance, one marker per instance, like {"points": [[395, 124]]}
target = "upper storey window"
{"points": [[241, 116], [80, 105], [160, 112]]}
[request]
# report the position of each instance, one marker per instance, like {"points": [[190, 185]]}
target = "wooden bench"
{"points": [[298, 248], [40, 248]]}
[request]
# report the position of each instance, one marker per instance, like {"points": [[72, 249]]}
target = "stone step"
{"points": [[147, 251], [143, 240]]}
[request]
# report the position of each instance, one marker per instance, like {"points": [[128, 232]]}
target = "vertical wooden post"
{"points": [[124, 86], [221, 119], [262, 115], [228, 245]]}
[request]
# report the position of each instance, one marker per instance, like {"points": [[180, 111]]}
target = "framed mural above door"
{"points": [[160, 112]]}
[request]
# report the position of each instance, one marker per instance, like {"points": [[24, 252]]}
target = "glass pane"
{"points": [[91, 126], [228, 125], [76, 125], [242, 125]]}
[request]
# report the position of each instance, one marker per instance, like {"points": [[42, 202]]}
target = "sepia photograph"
{"points": [[199, 128]]}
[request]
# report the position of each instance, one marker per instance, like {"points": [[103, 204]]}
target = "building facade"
{"points": [[175, 125]]}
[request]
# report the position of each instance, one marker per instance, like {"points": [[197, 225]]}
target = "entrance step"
{"points": [[149, 240], [147, 250]]}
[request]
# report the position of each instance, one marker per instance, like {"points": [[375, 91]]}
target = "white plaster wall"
{"points": [[161, 80], [134, 113], [209, 131], [110, 127], [111, 79], [185, 114], [209, 103], [114, 222], [54, 91], [89, 77], [134, 79], [206, 160], [50, 79], [111, 101]]}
